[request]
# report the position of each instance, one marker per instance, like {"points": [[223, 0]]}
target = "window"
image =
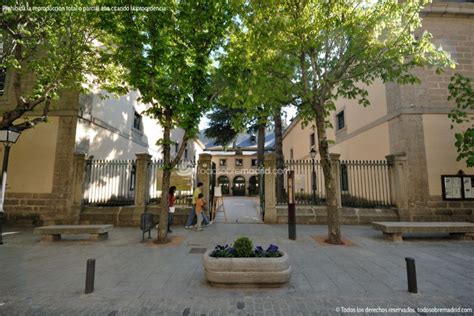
{"points": [[340, 123], [2, 80], [291, 154], [176, 147], [239, 162], [222, 162], [254, 162], [185, 153], [344, 178], [312, 140], [137, 121]]}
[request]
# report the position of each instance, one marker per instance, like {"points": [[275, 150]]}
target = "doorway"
{"points": [[238, 186]]}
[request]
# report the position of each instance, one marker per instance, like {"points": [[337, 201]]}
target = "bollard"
{"points": [[411, 275], [291, 205], [90, 275]]}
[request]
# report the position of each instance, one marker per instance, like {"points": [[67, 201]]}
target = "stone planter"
{"points": [[247, 271]]}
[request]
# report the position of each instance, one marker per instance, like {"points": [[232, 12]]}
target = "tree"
{"points": [[460, 90], [341, 47], [221, 127], [168, 58], [47, 52]]}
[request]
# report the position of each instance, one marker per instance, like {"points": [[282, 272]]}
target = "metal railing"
{"points": [[183, 177], [110, 182], [363, 183], [304, 193]]}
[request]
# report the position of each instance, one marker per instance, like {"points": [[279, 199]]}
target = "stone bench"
{"points": [[54, 232], [393, 230]]}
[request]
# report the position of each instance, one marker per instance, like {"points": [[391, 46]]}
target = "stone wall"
{"points": [[349, 216], [123, 215]]}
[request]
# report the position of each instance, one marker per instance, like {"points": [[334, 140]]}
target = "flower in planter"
{"points": [[242, 248]]}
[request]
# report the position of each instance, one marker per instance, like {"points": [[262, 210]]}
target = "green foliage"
{"points": [[221, 128], [461, 92], [168, 55], [243, 247], [53, 51]]}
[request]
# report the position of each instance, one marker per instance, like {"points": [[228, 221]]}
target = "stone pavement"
{"points": [[134, 278], [240, 209]]}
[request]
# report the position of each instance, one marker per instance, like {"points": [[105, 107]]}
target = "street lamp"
{"points": [[8, 137], [313, 177]]}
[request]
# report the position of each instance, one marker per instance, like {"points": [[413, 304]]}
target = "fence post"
{"points": [[204, 169], [78, 185], [399, 184], [271, 215], [336, 173], [142, 186]]}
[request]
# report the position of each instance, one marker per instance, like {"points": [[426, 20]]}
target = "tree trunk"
{"points": [[165, 185], [280, 160], [334, 225], [261, 144]]}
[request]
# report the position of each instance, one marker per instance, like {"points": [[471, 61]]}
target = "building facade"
{"points": [[236, 167], [408, 120], [41, 169]]}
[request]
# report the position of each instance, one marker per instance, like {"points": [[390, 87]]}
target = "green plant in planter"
{"points": [[243, 247]]}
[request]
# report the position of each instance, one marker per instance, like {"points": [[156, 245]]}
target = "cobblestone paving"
{"points": [[134, 278]]}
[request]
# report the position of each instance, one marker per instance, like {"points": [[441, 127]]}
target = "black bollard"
{"points": [[411, 275], [291, 205], [90, 276]]}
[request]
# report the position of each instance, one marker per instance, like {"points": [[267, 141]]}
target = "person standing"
{"points": [[200, 210], [196, 193], [171, 206]]}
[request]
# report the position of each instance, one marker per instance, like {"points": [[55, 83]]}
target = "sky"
{"points": [[290, 113]]}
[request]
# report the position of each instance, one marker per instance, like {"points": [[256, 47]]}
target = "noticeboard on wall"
{"points": [[458, 187]]}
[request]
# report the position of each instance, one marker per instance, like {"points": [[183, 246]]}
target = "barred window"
{"points": [[137, 121], [340, 121]]}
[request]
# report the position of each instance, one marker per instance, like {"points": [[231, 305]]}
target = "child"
{"points": [[200, 202], [171, 203]]}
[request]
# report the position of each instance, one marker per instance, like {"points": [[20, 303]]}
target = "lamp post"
{"points": [[291, 205], [8, 137], [313, 174]]}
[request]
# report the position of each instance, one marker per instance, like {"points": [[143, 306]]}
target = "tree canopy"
{"points": [[46, 52]]}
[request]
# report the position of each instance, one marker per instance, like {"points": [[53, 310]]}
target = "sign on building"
{"points": [[458, 187]]}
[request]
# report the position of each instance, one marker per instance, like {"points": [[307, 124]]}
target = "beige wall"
{"points": [[298, 139], [231, 171], [31, 164], [358, 116], [372, 144], [440, 151]]}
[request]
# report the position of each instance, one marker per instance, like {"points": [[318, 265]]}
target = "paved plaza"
{"points": [[240, 210], [134, 278]]}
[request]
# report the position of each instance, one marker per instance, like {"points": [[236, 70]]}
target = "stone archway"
{"points": [[238, 186], [253, 185], [224, 183]]}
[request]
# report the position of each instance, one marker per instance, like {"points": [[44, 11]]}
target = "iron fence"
{"points": [[307, 174], [363, 183], [110, 182], [183, 176]]}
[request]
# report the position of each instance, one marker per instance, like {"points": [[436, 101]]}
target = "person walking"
{"points": [[200, 203], [171, 207], [190, 219]]}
